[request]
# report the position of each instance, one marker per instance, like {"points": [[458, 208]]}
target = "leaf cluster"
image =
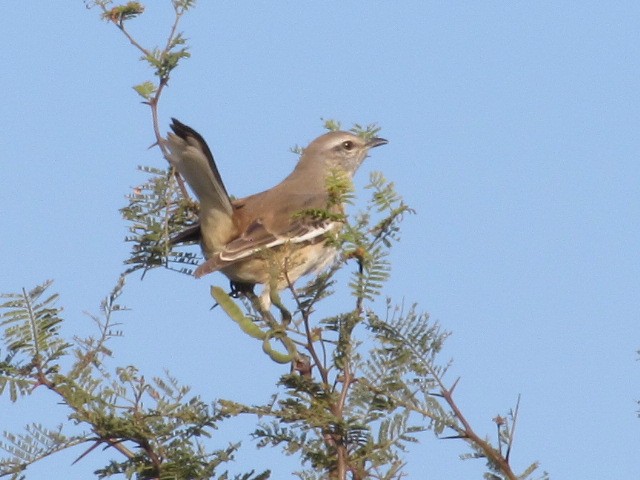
{"points": [[373, 382], [31, 337], [369, 236], [155, 425], [328, 415], [156, 213], [162, 59], [362, 387]]}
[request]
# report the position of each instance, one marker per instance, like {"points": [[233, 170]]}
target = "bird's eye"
{"points": [[348, 145]]}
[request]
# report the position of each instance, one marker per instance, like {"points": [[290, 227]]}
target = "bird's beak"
{"points": [[376, 142]]}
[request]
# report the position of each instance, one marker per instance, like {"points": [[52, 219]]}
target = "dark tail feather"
{"points": [[190, 234], [184, 132]]}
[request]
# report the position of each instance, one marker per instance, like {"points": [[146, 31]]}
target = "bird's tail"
{"points": [[190, 155]]}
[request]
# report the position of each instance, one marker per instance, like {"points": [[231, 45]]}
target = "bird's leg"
{"points": [[246, 289], [277, 302]]}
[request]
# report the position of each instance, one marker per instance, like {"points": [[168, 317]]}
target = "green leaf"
{"points": [[124, 12], [145, 90]]}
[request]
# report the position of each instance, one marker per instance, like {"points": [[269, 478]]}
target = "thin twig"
{"points": [[120, 25], [179, 12], [307, 330], [465, 431], [470, 435], [513, 428], [164, 80]]}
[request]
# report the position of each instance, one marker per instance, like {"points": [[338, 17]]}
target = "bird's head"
{"points": [[338, 150]]}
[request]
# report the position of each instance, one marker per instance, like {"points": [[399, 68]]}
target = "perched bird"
{"points": [[270, 237]]}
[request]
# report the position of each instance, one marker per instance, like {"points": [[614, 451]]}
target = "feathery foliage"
{"points": [[363, 386], [31, 337], [330, 415], [156, 426], [156, 213]]}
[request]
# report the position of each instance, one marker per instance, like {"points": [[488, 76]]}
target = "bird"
{"points": [[272, 237]]}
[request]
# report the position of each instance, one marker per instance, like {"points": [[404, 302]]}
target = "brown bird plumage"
{"points": [[252, 239]]}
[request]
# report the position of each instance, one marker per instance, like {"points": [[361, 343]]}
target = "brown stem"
{"points": [[120, 25], [465, 431], [179, 12], [41, 379], [332, 440], [153, 103], [342, 462], [120, 447], [323, 371], [494, 456]]}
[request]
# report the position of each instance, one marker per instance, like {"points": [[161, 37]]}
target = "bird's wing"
{"points": [[258, 237], [263, 234]]}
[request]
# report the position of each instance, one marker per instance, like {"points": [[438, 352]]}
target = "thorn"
{"points": [[453, 387], [87, 452]]}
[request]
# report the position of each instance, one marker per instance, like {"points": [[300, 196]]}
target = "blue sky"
{"points": [[513, 131]]}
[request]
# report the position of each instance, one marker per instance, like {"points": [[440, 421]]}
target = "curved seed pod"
{"points": [[276, 356], [234, 312]]}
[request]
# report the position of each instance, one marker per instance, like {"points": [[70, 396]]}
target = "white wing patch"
{"points": [[304, 236]]}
